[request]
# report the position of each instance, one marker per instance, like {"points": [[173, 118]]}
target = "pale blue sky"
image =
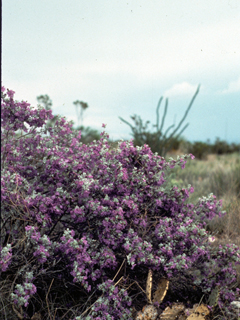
{"points": [[121, 56]]}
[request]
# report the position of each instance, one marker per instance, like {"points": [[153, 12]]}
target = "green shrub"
{"points": [[199, 149], [222, 147]]}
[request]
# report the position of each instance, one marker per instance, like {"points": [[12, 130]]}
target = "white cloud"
{"points": [[180, 89], [233, 86]]}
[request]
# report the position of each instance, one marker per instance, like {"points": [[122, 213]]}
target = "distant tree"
{"points": [[83, 106], [88, 134], [46, 102]]}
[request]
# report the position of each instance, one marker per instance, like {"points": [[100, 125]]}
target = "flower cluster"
{"points": [[5, 257], [24, 291], [112, 304], [87, 209], [85, 255], [42, 245]]}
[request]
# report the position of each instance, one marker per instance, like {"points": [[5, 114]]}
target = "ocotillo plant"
{"points": [[158, 141]]}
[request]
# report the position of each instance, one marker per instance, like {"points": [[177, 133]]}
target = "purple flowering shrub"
{"points": [[81, 225], [23, 292]]}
